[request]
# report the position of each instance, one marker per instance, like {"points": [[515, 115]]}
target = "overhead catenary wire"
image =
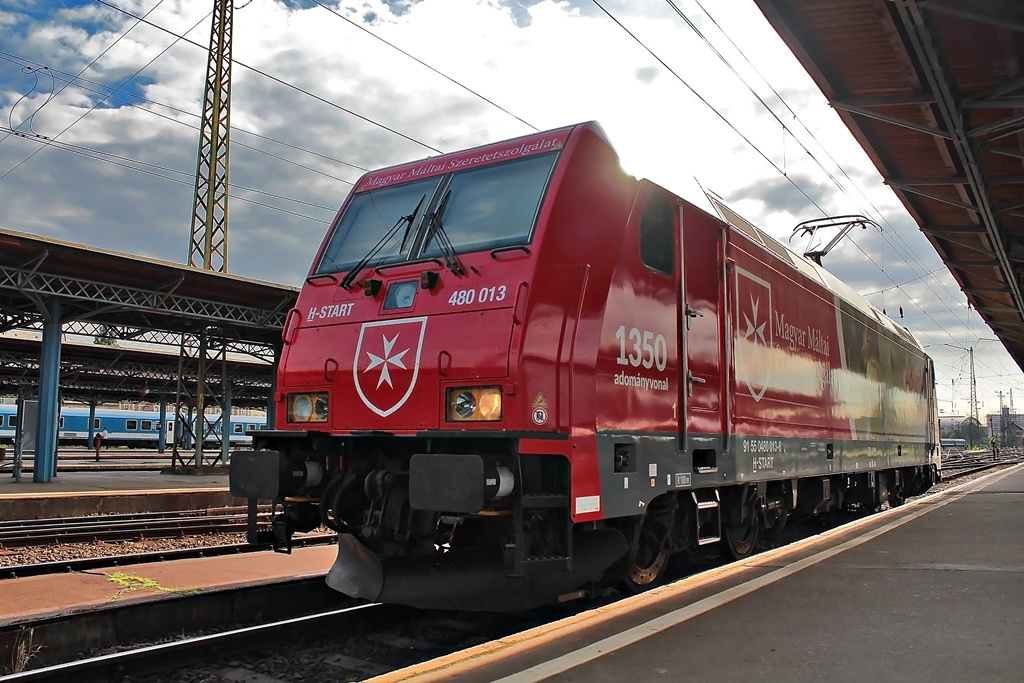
{"points": [[97, 104], [927, 277], [884, 236], [877, 212], [88, 66], [424, 64], [185, 178], [842, 188], [120, 97], [746, 139], [280, 81]]}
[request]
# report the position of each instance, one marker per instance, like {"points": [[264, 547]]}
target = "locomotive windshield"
{"points": [[493, 206], [370, 216], [480, 208]]}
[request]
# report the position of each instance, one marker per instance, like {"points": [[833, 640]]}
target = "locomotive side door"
{"points": [[702, 320]]}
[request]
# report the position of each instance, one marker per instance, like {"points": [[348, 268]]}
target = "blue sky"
{"points": [[118, 173]]}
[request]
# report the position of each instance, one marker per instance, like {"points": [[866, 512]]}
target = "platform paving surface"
{"points": [[32, 598], [936, 598], [84, 482]]}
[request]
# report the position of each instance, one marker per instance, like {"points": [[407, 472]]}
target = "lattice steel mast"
{"points": [[974, 399], [208, 245], [208, 242]]}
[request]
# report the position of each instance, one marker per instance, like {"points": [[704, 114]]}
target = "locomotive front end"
{"points": [[405, 421]]}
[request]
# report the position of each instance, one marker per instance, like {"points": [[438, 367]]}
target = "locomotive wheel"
{"points": [[773, 532], [741, 543], [646, 574], [651, 561]]}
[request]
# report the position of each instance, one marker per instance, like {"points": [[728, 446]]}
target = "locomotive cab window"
{"points": [[389, 214], [657, 234], [472, 210], [492, 206]]}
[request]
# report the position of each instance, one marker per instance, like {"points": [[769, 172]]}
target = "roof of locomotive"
{"points": [[812, 270], [527, 145]]}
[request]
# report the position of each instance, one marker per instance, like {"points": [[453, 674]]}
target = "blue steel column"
{"points": [[45, 466], [92, 423], [161, 435], [225, 424]]}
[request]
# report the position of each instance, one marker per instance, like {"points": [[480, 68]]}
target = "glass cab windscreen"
{"points": [[370, 216], [493, 206]]}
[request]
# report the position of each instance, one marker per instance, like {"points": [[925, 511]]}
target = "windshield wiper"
{"points": [[356, 269], [435, 230]]}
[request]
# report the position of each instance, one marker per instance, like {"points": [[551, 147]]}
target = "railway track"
{"points": [[347, 642], [393, 637], [88, 563], [146, 526], [140, 661], [120, 527], [966, 466]]}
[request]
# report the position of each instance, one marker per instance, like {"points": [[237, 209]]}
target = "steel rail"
{"points": [[18, 571], [118, 527], [177, 654]]}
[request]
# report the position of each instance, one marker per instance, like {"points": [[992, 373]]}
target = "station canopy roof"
{"points": [[934, 92], [115, 299], [108, 373]]}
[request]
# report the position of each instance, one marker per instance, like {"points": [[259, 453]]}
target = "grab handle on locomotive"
{"points": [[692, 313], [691, 379]]}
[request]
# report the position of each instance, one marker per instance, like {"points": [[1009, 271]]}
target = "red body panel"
{"points": [[591, 346], [516, 371]]}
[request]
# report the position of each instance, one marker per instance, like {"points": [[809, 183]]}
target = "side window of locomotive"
{"points": [[494, 206], [657, 234], [371, 216]]}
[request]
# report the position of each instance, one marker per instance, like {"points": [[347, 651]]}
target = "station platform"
{"points": [[77, 493], [930, 591], [34, 598]]}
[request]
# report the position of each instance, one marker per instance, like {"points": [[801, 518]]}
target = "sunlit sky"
{"points": [[708, 97]]}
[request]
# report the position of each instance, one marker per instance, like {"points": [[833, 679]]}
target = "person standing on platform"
{"points": [[98, 441]]}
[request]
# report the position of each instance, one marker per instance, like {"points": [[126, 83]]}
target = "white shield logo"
{"points": [[387, 362], [753, 332]]}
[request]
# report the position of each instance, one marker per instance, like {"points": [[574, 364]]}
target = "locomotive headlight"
{"points": [[302, 408], [307, 408], [464, 405], [320, 408], [474, 404]]}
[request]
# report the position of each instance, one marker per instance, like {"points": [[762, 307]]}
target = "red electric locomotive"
{"points": [[516, 372]]}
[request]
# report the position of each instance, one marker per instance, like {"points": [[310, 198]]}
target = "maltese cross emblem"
{"points": [[387, 359], [387, 362], [754, 332]]}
